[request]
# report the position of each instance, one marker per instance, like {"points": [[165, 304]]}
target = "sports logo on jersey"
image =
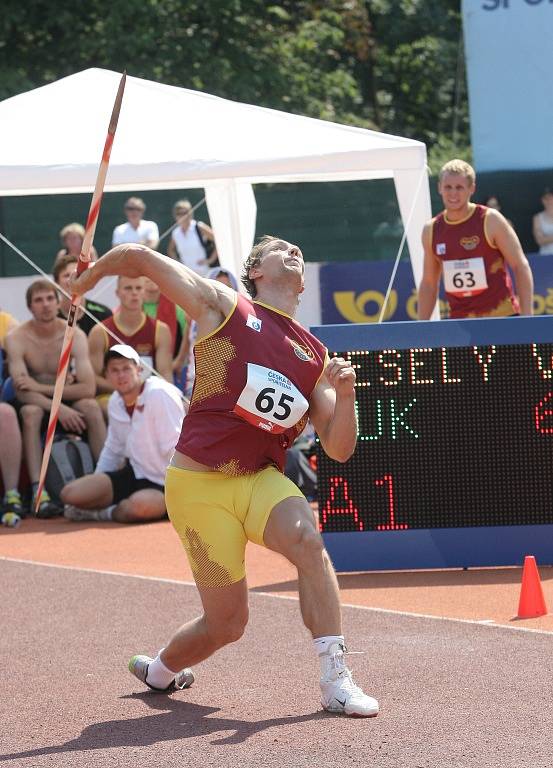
{"points": [[440, 249], [469, 243], [254, 323], [304, 353]]}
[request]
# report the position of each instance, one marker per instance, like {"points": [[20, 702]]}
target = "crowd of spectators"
{"points": [[94, 407], [109, 382]]}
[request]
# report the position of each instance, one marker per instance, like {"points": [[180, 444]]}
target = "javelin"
{"points": [[83, 263]]}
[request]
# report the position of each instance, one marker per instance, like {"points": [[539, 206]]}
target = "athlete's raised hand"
{"points": [[341, 375]]}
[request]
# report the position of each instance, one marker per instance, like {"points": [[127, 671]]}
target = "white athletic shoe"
{"points": [[338, 691], [138, 666]]}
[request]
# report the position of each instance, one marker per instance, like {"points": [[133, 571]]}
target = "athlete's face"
{"points": [[280, 259], [456, 191], [123, 375], [130, 292]]}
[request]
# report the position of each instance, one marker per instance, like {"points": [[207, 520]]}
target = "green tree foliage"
{"points": [[390, 65]]}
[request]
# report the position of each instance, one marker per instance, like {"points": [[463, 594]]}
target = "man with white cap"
{"points": [[144, 422]]}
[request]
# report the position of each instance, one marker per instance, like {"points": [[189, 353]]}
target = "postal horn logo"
{"points": [[304, 353], [470, 243]]}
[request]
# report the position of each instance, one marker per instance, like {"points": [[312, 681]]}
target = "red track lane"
{"points": [[154, 550], [452, 694]]}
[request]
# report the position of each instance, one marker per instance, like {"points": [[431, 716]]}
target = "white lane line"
{"points": [[254, 591]]}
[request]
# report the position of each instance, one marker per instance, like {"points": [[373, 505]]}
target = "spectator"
{"points": [[137, 229], [34, 350], [72, 236], [542, 224], [62, 270], [192, 242], [144, 424], [158, 307], [10, 460], [472, 245], [150, 338], [226, 277]]}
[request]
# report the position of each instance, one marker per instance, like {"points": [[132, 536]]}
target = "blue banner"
{"points": [[353, 292], [508, 55]]}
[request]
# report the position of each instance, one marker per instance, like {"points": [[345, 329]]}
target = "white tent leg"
{"points": [[413, 194], [232, 212]]}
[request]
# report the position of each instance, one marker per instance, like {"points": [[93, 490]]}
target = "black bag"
{"points": [[70, 459]]}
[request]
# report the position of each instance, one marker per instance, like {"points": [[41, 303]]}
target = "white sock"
{"points": [[329, 665], [159, 675]]}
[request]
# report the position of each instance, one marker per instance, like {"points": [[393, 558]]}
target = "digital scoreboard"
{"points": [[454, 458]]}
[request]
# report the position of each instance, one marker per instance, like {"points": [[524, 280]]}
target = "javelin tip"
{"points": [[117, 106]]}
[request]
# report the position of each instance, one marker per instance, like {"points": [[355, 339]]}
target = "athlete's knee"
{"points": [[227, 628], [309, 548]]}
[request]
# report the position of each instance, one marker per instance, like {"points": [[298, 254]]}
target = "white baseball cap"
{"points": [[122, 350]]}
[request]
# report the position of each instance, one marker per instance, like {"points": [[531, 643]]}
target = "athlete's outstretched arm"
{"points": [[332, 410], [197, 296]]}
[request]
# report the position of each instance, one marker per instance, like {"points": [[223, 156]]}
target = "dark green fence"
{"points": [[346, 221]]}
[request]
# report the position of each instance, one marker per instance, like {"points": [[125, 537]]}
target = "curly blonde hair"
{"points": [[253, 260]]}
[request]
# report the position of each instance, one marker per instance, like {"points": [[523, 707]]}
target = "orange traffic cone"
{"points": [[532, 601]]}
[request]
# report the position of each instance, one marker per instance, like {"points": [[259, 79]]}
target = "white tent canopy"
{"points": [[174, 138]]}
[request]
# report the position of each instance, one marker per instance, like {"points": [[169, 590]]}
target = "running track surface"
{"points": [[453, 693]]}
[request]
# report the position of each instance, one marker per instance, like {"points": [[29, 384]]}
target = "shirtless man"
{"points": [[33, 350], [151, 338]]}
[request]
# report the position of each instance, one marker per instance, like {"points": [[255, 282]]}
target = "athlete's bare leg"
{"points": [[292, 531], [223, 621]]}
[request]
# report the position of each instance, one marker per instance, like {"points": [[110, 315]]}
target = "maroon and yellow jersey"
{"points": [[476, 280], [143, 340], [254, 376]]}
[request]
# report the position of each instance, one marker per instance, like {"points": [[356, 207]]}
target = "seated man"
{"points": [[63, 268], [144, 422], [34, 350], [150, 338]]}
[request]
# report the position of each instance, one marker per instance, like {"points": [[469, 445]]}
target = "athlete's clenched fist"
{"points": [[341, 375]]}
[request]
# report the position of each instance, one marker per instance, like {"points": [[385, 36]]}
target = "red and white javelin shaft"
{"points": [[83, 263]]}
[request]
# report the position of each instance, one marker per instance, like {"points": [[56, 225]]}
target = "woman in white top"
{"points": [[192, 242], [542, 226]]}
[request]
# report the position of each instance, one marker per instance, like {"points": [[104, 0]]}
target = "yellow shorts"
{"points": [[216, 514]]}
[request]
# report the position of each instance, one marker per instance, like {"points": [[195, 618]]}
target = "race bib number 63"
{"points": [[270, 401], [466, 277]]}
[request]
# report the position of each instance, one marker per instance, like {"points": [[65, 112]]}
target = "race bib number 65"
{"points": [[270, 401]]}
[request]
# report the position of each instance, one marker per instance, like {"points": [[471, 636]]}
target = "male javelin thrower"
{"points": [[259, 375]]}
